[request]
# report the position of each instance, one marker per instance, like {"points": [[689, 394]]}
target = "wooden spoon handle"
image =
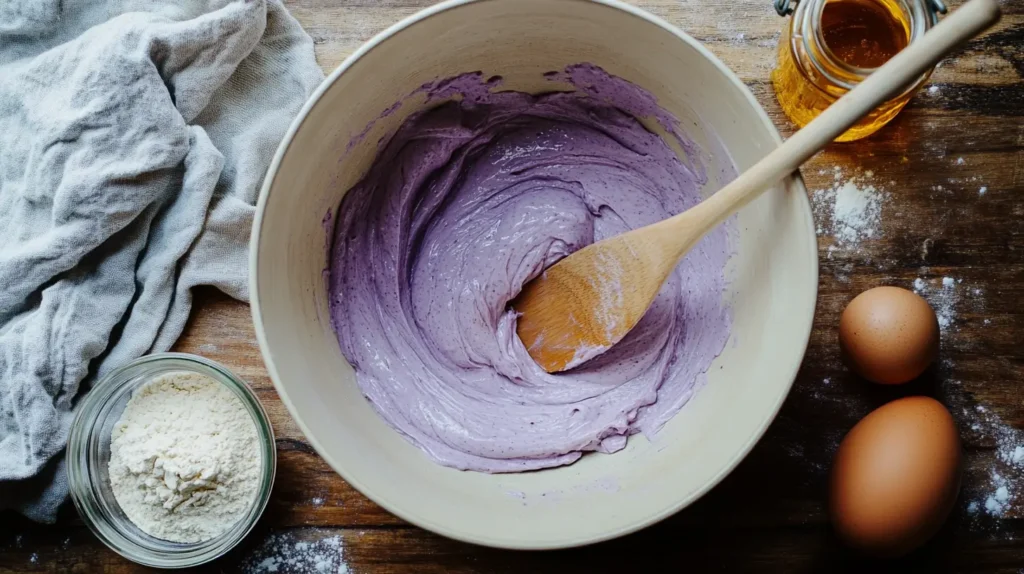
{"points": [[901, 70]]}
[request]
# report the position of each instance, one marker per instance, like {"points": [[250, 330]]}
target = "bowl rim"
{"points": [[794, 183]]}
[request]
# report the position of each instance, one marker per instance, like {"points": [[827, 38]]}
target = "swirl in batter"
{"points": [[466, 203]]}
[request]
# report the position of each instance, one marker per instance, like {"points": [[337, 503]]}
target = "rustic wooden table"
{"points": [[963, 135]]}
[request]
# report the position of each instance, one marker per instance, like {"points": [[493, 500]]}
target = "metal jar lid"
{"points": [[786, 7]]}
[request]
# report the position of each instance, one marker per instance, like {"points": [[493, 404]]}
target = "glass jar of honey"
{"points": [[832, 45]]}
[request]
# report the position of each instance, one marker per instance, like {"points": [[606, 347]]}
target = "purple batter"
{"points": [[466, 203]]}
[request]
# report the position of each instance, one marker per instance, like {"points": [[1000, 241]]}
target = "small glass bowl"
{"points": [[89, 456]]}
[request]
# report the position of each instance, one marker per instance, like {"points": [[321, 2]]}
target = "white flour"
{"points": [[285, 553], [998, 494], [994, 475], [184, 458], [994, 479], [850, 210], [943, 296]]}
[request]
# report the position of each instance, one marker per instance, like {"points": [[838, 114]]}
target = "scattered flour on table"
{"points": [[943, 295], [184, 458], [850, 210], [1004, 483], [287, 554], [994, 480]]}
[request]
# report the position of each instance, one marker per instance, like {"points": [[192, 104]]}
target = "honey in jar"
{"points": [[832, 45]]}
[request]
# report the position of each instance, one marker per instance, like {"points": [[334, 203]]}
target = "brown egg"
{"points": [[895, 477], [888, 335]]}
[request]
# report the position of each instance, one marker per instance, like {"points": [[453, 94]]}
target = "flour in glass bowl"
{"points": [[184, 458]]}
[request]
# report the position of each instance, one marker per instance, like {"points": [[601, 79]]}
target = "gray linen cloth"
{"points": [[134, 137]]}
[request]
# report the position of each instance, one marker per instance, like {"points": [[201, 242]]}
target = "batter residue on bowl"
{"points": [[466, 203]]}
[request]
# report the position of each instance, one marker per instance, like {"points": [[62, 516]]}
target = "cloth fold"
{"points": [[134, 138]]}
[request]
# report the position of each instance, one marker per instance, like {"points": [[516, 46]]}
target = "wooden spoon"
{"points": [[588, 301]]}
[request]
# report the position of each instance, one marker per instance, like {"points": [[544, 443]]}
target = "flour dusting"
{"points": [[287, 554], [850, 210], [999, 495], [943, 296]]}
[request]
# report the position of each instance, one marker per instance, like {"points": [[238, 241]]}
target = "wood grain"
{"points": [[768, 515]]}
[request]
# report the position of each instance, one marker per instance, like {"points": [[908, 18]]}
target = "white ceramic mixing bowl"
{"points": [[772, 292]]}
